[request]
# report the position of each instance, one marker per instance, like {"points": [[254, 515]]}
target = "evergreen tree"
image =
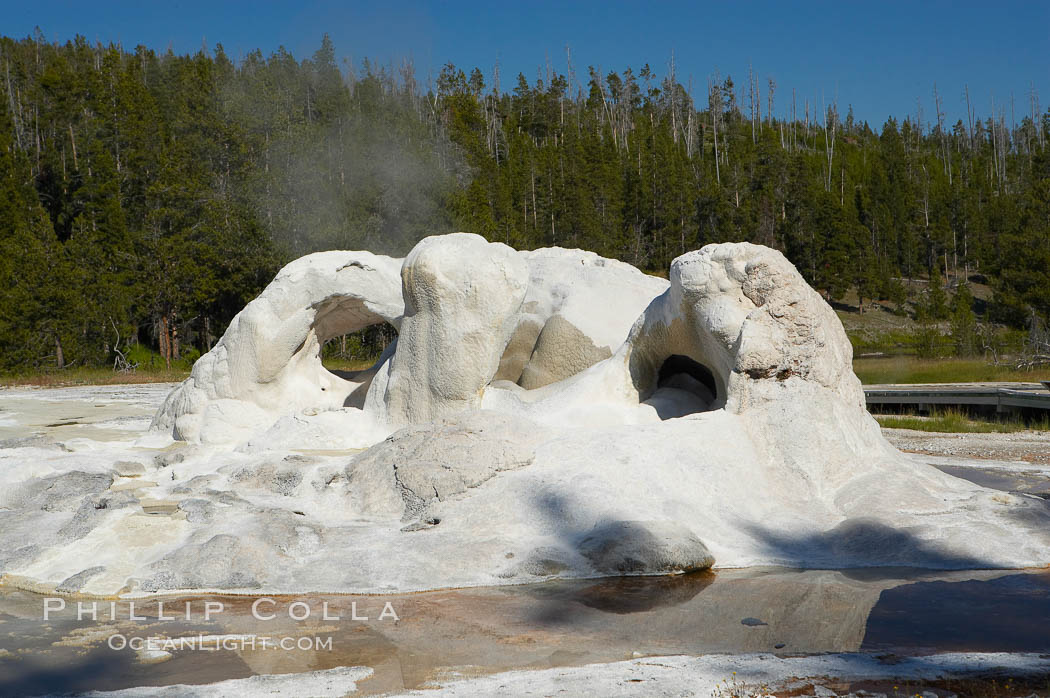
{"points": [[936, 298], [963, 322], [146, 197]]}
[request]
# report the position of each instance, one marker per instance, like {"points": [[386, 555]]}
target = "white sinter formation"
{"points": [[541, 414]]}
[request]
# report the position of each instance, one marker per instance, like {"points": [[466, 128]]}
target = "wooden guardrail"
{"points": [[1004, 397]]}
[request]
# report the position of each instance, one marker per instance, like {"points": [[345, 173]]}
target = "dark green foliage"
{"points": [[927, 336], [936, 298], [964, 322], [634, 169], [144, 198]]}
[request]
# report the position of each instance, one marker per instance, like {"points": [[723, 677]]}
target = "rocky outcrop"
{"points": [[427, 463]]}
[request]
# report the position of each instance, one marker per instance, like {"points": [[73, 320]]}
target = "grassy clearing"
{"points": [[336, 364], [150, 374], [91, 376], [875, 334], [958, 422], [879, 332], [906, 369]]}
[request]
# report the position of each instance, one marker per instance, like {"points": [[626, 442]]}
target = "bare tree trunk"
{"points": [[830, 114], [794, 120], [758, 106], [995, 147], [550, 193], [60, 359], [173, 324], [15, 112], [714, 105], [162, 340], [672, 80], [74, 142], [535, 224], [751, 101], [769, 97], [969, 118], [1036, 116], [946, 154]]}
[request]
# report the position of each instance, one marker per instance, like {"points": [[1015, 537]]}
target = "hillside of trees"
{"points": [[145, 196]]}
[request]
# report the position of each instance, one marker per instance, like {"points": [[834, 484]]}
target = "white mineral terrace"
{"points": [[545, 414]]}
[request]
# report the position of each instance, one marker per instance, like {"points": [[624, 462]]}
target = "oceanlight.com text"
{"points": [[215, 643]]}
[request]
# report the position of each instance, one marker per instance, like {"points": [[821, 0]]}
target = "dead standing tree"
{"points": [[121, 364], [831, 120], [1036, 347], [714, 107]]}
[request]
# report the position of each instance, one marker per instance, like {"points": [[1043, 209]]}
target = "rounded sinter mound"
{"points": [[541, 414]]}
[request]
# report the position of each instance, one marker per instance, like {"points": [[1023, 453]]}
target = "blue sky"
{"points": [[881, 57]]}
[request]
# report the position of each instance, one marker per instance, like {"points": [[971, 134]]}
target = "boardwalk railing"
{"points": [[1003, 397]]}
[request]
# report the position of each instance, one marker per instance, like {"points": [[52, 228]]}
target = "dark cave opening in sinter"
{"points": [[684, 386]]}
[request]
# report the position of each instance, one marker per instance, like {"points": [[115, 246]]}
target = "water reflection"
{"points": [[623, 595], [485, 630], [1007, 614]]}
